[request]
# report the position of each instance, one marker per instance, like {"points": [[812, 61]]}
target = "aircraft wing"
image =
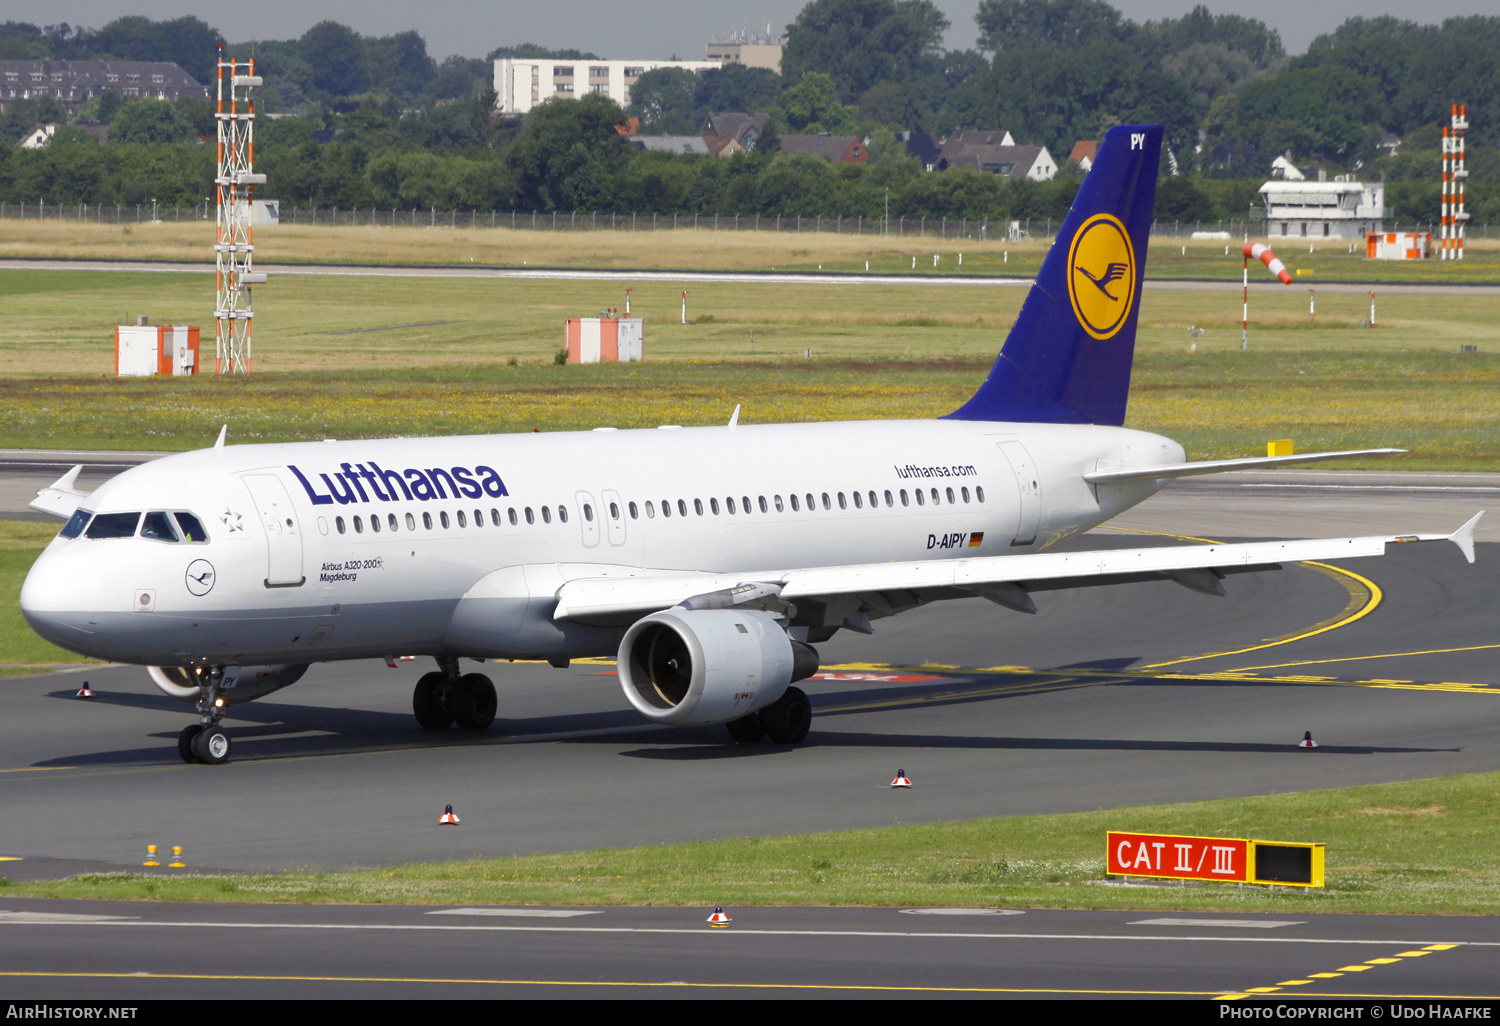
{"points": [[1221, 466], [60, 498], [885, 588]]}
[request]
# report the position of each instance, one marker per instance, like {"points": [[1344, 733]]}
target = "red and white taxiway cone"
{"points": [[85, 691], [1307, 741], [901, 780], [447, 818], [719, 918]]}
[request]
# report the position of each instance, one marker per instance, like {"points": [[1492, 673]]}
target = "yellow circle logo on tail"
{"points": [[1101, 275]]}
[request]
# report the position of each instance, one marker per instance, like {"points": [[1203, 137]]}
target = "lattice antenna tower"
{"points": [[234, 247], [1455, 217]]}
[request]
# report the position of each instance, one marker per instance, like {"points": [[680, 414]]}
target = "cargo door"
{"points": [[1028, 488], [283, 538]]}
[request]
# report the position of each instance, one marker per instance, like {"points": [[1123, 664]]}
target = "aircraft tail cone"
{"points": [[85, 691], [1307, 741], [447, 818], [901, 779], [719, 918]]}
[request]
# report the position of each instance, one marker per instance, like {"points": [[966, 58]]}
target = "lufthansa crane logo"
{"points": [[199, 577], [1101, 275]]}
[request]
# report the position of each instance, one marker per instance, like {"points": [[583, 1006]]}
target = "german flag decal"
{"points": [[975, 539]]}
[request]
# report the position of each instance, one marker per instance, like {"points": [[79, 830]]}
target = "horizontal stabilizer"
{"points": [[60, 498], [1222, 466], [999, 578]]}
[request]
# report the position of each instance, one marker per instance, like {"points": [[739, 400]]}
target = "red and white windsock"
{"points": [[1255, 251]]}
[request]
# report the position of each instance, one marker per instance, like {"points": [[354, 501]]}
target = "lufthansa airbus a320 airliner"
{"points": [[710, 560]]}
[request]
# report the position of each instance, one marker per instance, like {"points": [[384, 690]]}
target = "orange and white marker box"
{"points": [[605, 339], [1398, 245], [152, 350]]}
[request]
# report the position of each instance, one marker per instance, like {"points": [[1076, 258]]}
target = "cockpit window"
{"points": [[158, 527], [191, 526], [114, 525], [76, 523]]}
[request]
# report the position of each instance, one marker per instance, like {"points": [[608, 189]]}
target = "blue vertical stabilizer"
{"points": [[1067, 360]]}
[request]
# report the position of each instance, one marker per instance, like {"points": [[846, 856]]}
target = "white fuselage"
{"points": [[294, 571]]}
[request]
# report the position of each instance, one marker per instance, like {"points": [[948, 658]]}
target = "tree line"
{"points": [[362, 121]]}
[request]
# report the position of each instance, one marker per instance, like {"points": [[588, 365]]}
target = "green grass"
{"points": [[1219, 404], [21, 651], [1423, 846]]}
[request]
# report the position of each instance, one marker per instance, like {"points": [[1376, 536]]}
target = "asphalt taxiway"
{"points": [[82, 951]]}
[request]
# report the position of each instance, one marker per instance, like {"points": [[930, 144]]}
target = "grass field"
{"points": [[355, 357], [704, 249], [1423, 846]]}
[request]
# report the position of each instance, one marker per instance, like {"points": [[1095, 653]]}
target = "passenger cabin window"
{"points": [[463, 521], [339, 523], [427, 521], [588, 514], [935, 499], [395, 524], [614, 511], [411, 523], [857, 503], [812, 503], [698, 506], [375, 522], [514, 521], [650, 510], [888, 501], [979, 493], [713, 504], [874, 500], [843, 503], [745, 504], [635, 513], [359, 526], [682, 507], [442, 519], [666, 507], [950, 496], [779, 507], [965, 493], [794, 503], [76, 523], [530, 516], [728, 504], [113, 525], [826, 503], [546, 515], [562, 514], [918, 493], [479, 518], [158, 526]]}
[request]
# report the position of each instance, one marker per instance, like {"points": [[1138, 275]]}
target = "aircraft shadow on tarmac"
{"points": [[827, 739], [272, 730]]}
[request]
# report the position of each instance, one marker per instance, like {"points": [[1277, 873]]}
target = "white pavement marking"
{"points": [[746, 932], [1380, 487], [1256, 924], [523, 913], [59, 917], [962, 912]]}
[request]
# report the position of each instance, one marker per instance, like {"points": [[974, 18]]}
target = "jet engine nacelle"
{"points": [[251, 682], [703, 666]]}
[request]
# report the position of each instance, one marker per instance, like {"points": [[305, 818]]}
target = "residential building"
{"points": [[1340, 209], [1084, 152], [751, 55], [922, 146], [725, 145], [38, 137], [743, 128], [841, 149], [693, 144], [77, 82], [522, 84], [1008, 161]]}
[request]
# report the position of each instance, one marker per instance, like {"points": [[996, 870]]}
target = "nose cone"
{"points": [[56, 604]]}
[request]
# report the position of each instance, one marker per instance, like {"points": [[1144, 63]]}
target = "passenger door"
{"points": [[1029, 488], [283, 539]]}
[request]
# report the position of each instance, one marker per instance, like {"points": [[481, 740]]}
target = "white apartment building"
{"points": [[522, 84]]}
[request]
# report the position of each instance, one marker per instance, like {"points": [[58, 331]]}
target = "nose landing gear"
{"points": [[444, 697], [205, 741]]}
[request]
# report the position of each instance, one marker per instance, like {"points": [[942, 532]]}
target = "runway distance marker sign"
{"points": [[1226, 859]]}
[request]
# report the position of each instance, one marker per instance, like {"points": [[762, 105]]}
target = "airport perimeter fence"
{"points": [[583, 220]]}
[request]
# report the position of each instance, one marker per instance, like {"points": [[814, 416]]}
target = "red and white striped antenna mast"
{"points": [[234, 248], [1455, 217]]}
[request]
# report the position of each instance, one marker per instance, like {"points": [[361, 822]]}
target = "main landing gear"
{"points": [[205, 741], [445, 697], [785, 721]]}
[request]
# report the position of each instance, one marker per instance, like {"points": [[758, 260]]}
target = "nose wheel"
{"points": [[205, 741], [444, 697]]}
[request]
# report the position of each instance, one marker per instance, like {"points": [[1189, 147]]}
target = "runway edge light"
{"points": [[719, 918], [1307, 740], [447, 818], [901, 780]]}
